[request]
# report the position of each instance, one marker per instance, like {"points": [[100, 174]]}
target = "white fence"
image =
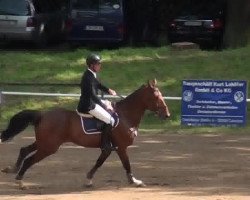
{"points": [[65, 95]]}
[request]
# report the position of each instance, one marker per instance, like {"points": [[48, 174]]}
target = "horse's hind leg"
{"points": [[104, 155], [24, 151], [29, 161]]}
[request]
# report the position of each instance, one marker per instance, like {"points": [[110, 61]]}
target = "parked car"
{"points": [[38, 21], [96, 21], [199, 26]]}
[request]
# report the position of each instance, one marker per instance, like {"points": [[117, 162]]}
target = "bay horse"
{"points": [[59, 125]]}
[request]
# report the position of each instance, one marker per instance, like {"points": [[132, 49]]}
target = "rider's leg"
{"points": [[106, 138], [101, 114]]}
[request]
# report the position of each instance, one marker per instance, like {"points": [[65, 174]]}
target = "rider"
{"points": [[89, 101]]}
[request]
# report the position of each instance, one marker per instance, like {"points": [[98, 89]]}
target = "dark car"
{"points": [[37, 21], [199, 26], [96, 21]]}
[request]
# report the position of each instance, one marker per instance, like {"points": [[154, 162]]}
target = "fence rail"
{"points": [[39, 84], [67, 95]]}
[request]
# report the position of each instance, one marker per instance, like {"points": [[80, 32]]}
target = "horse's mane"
{"points": [[131, 96]]}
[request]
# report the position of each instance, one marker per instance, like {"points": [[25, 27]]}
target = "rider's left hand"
{"points": [[112, 92]]}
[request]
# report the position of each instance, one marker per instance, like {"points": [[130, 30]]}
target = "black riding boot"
{"points": [[106, 143]]}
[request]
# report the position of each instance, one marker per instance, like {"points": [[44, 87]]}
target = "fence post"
{"points": [[1, 102], [1, 97]]}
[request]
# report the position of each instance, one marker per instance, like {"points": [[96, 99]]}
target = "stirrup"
{"points": [[111, 149], [108, 147]]}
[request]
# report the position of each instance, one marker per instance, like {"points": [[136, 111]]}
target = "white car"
{"points": [[38, 21]]}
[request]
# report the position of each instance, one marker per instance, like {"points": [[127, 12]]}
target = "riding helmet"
{"points": [[93, 58]]}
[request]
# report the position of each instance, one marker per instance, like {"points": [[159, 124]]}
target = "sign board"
{"points": [[214, 102]]}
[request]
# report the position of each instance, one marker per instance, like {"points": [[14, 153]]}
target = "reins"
{"points": [[122, 97]]}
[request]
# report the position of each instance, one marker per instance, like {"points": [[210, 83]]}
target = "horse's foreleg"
{"points": [[24, 151], [122, 153], [104, 155]]}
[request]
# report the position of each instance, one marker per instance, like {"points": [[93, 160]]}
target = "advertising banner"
{"points": [[214, 102]]}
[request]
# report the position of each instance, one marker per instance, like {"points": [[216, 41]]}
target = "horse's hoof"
{"points": [[89, 184], [138, 183], [8, 170], [141, 185], [21, 186]]}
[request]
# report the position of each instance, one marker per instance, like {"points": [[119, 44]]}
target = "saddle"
{"points": [[92, 125]]}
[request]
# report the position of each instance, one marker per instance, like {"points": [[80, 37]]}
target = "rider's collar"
{"points": [[92, 72]]}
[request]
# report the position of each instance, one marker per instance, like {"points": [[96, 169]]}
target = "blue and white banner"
{"points": [[214, 102]]}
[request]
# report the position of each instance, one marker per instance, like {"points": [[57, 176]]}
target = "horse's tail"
{"points": [[19, 122]]}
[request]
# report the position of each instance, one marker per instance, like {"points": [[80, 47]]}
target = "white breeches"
{"points": [[101, 114]]}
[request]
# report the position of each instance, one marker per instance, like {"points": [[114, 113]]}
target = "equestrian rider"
{"points": [[90, 103]]}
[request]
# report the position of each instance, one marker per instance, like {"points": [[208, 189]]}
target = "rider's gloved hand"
{"points": [[112, 92]]}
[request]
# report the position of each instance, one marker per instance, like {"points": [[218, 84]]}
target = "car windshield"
{"points": [[19, 8], [202, 11], [96, 4]]}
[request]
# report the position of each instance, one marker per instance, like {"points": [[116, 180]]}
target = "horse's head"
{"points": [[154, 100]]}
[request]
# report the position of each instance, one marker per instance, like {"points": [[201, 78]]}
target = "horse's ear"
{"points": [[152, 83]]}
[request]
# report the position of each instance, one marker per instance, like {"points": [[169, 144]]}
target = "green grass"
{"points": [[124, 70]]}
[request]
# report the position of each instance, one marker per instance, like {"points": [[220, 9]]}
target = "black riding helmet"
{"points": [[92, 59]]}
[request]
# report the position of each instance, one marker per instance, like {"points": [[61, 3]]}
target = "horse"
{"points": [[59, 125]]}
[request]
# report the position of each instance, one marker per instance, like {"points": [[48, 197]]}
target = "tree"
{"points": [[237, 31]]}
